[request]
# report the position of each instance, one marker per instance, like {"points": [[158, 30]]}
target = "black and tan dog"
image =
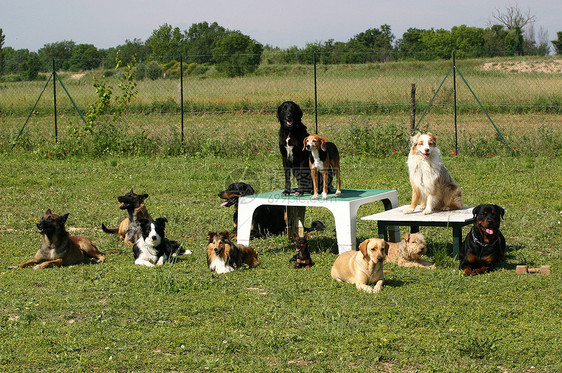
{"points": [[484, 246], [323, 156], [223, 256], [302, 258], [129, 230], [267, 219], [58, 248]]}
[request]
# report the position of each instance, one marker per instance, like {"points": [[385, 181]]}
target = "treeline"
{"points": [[232, 53]]}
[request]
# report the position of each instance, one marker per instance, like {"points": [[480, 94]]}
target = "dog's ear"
{"points": [[406, 237], [476, 211], [501, 210], [132, 191], [386, 247], [62, 219], [304, 143], [210, 236], [162, 222], [296, 235], [323, 144], [363, 247], [306, 236], [414, 139], [143, 197], [48, 212], [225, 235]]}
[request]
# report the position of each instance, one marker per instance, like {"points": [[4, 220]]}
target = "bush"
{"points": [[153, 70]]}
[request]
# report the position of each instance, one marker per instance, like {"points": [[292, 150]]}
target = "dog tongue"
{"points": [[289, 123], [489, 231], [224, 204]]}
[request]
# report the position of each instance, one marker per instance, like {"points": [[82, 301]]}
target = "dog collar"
{"points": [[482, 243]]}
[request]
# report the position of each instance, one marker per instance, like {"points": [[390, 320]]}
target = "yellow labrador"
{"points": [[362, 267]]}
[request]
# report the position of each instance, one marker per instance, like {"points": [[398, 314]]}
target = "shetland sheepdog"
{"points": [[432, 185], [223, 256]]}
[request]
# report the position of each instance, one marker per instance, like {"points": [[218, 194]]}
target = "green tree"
{"points": [[558, 43], [377, 41], [202, 38], [60, 51], [2, 39], [85, 57], [411, 46], [237, 54], [513, 42], [166, 43]]}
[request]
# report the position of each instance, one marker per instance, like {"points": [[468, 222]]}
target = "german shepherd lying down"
{"points": [[58, 247], [130, 230]]}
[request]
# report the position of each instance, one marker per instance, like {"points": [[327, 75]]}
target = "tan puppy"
{"points": [[323, 154], [432, 185], [58, 248], [362, 267], [408, 252]]}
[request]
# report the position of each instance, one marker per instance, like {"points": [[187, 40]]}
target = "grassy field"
{"points": [[116, 316], [371, 88]]}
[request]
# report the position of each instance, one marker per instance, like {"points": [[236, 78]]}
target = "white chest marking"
{"points": [[289, 149], [318, 164], [218, 265]]}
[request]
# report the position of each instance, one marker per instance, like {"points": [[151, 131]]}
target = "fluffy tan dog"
{"points": [[362, 267], [432, 185], [409, 251]]}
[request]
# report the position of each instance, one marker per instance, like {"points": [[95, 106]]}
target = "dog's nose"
{"points": [[380, 258], [154, 238]]}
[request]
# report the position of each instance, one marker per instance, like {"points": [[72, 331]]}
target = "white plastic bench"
{"points": [[455, 219]]}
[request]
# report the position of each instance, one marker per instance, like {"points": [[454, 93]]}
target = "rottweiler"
{"points": [[484, 246]]}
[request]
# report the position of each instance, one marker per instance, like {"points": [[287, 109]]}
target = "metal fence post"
{"points": [[315, 95], [455, 99], [181, 95], [413, 108], [55, 99]]}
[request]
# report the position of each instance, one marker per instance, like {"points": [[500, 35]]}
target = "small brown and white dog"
{"points": [[432, 185], [323, 154], [363, 267], [58, 248], [129, 230], [223, 256], [408, 252]]}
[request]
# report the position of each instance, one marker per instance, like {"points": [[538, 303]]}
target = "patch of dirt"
{"points": [[547, 67], [77, 76]]}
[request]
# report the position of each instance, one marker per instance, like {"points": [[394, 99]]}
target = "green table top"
{"points": [[346, 195]]}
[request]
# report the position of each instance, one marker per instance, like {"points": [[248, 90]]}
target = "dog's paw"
{"points": [[338, 192], [315, 196], [299, 194], [427, 211], [286, 193], [408, 210], [324, 195], [13, 267]]}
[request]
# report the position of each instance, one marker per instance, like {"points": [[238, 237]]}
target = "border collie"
{"points": [[153, 248]]}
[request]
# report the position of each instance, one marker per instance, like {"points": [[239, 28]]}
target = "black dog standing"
{"points": [[291, 136], [302, 257], [484, 246]]}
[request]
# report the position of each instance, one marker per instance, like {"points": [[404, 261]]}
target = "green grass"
{"points": [[361, 88], [117, 316]]}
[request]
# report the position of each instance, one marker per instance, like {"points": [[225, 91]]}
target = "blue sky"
{"points": [[31, 24]]}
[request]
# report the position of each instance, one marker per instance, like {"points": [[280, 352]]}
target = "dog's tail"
{"points": [[109, 230], [316, 225]]}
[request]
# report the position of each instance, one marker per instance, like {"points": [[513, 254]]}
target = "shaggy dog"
{"points": [[223, 256], [408, 252], [129, 229], [432, 184], [484, 246], [363, 267], [58, 248], [153, 248]]}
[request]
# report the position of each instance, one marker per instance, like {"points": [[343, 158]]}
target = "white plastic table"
{"points": [[455, 219], [344, 208]]}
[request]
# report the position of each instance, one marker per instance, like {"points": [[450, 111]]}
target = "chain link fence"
{"points": [[524, 94]]}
